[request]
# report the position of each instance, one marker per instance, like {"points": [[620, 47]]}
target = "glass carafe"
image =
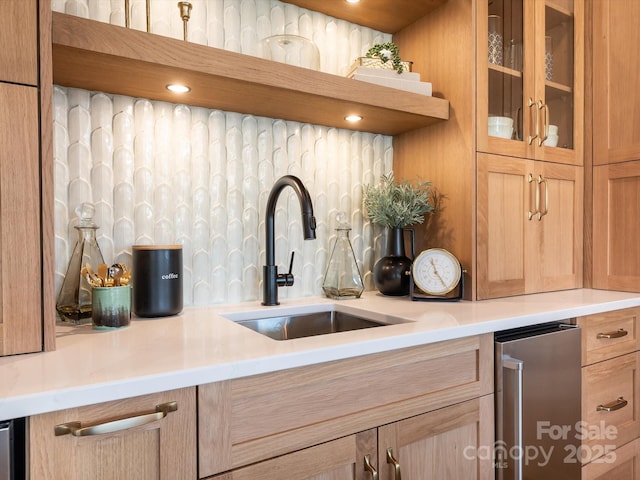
{"points": [[74, 300], [342, 280]]}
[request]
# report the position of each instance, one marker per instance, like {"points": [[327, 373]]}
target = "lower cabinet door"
{"points": [[348, 458], [455, 442], [505, 194], [529, 226], [151, 437], [621, 464]]}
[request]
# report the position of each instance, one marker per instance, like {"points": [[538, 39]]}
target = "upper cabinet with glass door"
{"points": [[530, 64]]}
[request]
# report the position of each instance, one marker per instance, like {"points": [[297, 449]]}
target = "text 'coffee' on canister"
{"points": [[157, 280]]}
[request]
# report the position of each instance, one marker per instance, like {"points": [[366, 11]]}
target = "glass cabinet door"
{"points": [[527, 81], [505, 73], [558, 92]]}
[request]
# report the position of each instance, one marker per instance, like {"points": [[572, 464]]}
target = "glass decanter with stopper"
{"points": [[342, 280], [74, 300]]}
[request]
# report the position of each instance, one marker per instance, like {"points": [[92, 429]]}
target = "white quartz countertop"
{"points": [[200, 346]]}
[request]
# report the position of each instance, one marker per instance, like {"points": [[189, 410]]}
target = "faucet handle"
{"points": [[286, 279]]}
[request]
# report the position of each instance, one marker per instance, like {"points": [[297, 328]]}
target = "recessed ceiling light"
{"points": [[353, 1], [353, 118], [177, 88]]}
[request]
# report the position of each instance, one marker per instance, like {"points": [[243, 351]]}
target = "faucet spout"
{"points": [[271, 279]]}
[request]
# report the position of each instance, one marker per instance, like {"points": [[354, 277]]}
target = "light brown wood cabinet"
{"points": [[622, 464], [20, 289], [616, 73], [25, 169], [19, 40], [610, 394], [335, 460], [445, 443], [419, 402], [529, 232], [449, 47], [440, 444], [610, 397], [616, 202], [539, 80], [614, 261], [161, 447]]}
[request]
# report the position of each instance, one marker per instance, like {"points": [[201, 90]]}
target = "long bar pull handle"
{"points": [[76, 429], [541, 180], [531, 138], [370, 468], [148, 12], [547, 113], [621, 332], [530, 213], [127, 14], [396, 465], [613, 406], [517, 367]]}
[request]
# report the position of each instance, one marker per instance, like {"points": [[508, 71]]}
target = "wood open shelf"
{"points": [[383, 15], [98, 56]]}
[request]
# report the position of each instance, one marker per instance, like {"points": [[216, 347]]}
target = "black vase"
{"points": [[391, 274]]}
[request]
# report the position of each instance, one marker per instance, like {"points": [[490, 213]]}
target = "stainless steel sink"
{"points": [[287, 327]]}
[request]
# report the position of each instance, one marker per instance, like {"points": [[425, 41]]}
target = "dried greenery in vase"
{"points": [[397, 205], [385, 52]]}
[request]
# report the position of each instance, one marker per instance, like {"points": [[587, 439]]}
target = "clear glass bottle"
{"points": [[74, 300], [342, 280]]}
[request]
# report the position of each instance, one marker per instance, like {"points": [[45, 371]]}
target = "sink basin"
{"points": [[288, 327]]}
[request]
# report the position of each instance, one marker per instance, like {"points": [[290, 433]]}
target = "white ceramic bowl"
{"points": [[502, 131], [553, 130], [501, 127], [551, 141], [501, 121]]}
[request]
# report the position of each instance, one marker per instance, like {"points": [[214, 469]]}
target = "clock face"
{"points": [[436, 271]]}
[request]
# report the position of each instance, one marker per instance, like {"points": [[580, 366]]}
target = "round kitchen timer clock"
{"points": [[436, 274]]}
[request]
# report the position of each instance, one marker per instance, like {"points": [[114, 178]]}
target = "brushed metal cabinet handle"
{"points": [[541, 180], [396, 465], [530, 214], [76, 429], [370, 468], [613, 406], [547, 115], [621, 332], [531, 138]]}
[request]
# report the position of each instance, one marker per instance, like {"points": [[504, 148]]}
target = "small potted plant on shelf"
{"points": [[395, 206], [388, 52]]}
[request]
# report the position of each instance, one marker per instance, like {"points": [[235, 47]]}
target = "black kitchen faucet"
{"points": [[271, 278]]}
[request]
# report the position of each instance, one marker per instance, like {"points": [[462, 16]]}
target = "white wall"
{"points": [[167, 173]]}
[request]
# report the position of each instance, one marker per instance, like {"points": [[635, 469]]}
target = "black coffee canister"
{"points": [[157, 280]]}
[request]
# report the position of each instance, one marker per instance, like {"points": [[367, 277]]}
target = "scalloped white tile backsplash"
{"points": [[168, 173]]}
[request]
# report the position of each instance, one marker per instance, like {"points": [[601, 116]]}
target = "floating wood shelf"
{"points": [[98, 56], [383, 15]]}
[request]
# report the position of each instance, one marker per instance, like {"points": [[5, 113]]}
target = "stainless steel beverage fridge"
{"points": [[538, 403]]}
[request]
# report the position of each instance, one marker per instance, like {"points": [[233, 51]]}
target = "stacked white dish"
{"points": [[552, 136], [501, 127]]}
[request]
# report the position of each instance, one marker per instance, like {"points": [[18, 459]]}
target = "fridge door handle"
{"points": [[517, 367], [5, 450]]}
